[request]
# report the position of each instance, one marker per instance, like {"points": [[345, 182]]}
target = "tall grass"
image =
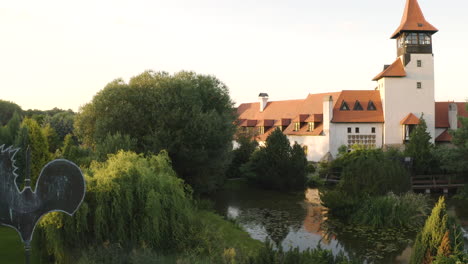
{"points": [[407, 210]]}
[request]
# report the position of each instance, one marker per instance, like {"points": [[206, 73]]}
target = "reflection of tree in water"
{"points": [[373, 245], [277, 223]]}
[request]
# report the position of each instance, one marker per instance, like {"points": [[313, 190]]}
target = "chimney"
{"points": [[263, 98], [327, 112], [452, 115]]}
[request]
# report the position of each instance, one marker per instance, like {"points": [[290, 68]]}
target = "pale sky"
{"points": [[60, 53]]}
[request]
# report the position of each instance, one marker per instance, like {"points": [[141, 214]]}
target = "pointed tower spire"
{"points": [[413, 20]]}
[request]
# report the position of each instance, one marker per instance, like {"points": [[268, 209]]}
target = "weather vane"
{"points": [[60, 187]]}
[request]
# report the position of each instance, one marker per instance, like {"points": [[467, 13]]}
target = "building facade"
{"points": [[321, 123]]}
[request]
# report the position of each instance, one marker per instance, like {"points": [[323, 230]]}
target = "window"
{"points": [[261, 130], [357, 106], [311, 127], [356, 130], [296, 126], [419, 63], [371, 106], [411, 38], [419, 85], [349, 130], [373, 130], [306, 149], [424, 39], [344, 106]]}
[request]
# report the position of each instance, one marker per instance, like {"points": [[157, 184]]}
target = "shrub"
{"points": [[408, 210], [440, 239], [277, 165]]}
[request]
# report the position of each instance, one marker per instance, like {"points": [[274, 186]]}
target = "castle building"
{"points": [[321, 123]]}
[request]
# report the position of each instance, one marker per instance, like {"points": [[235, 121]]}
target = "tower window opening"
{"points": [[419, 62], [373, 130], [419, 85], [356, 130], [349, 130]]}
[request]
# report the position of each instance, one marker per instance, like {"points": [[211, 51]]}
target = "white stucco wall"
{"points": [[317, 146], [339, 134], [400, 96]]}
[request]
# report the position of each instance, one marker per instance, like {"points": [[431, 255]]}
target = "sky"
{"points": [[60, 53]]}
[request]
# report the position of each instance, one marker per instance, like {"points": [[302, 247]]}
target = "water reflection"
{"points": [[298, 220]]}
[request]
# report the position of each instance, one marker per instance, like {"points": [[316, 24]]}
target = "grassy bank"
{"points": [[11, 247]]}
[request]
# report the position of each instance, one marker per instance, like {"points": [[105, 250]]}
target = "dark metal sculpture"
{"points": [[60, 187]]}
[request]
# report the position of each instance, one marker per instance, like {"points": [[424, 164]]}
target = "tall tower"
{"points": [[407, 86]]}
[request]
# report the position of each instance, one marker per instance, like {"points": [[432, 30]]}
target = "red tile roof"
{"points": [[395, 70], [444, 137], [358, 116], [441, 113], [413, 20], [410, 119], [287, 113]]}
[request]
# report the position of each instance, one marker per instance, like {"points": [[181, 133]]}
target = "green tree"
{"points": [[189, 115], [62, 123], [441, 240], [277, 165], [420, 149], [72, 151], [460, 140], [131, 200], [10, 130], [241, 155], [112, 144], [32, 136], [7, 110]]}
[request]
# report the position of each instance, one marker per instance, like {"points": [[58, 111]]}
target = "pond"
{"points": [[298, 220]]}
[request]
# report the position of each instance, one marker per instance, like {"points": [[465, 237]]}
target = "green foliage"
{"points": [[268, 255], [241, 155], [277, 165], [420, 148], [52, 138], [62, 123], [7, 110], [189, 115], [370, 173], [9, 132], [458, 156], [112, 144], [339, 203], [75, 153], [31, 135], [408, 210], [130, 200], [439, 239]]}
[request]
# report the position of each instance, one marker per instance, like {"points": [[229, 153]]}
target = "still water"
{"points": [[298, 220]]}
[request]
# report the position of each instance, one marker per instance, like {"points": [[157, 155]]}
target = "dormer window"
{"points": [[296, 126], [311, 127], [371, 106], [344, 106], [358, 106]]}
